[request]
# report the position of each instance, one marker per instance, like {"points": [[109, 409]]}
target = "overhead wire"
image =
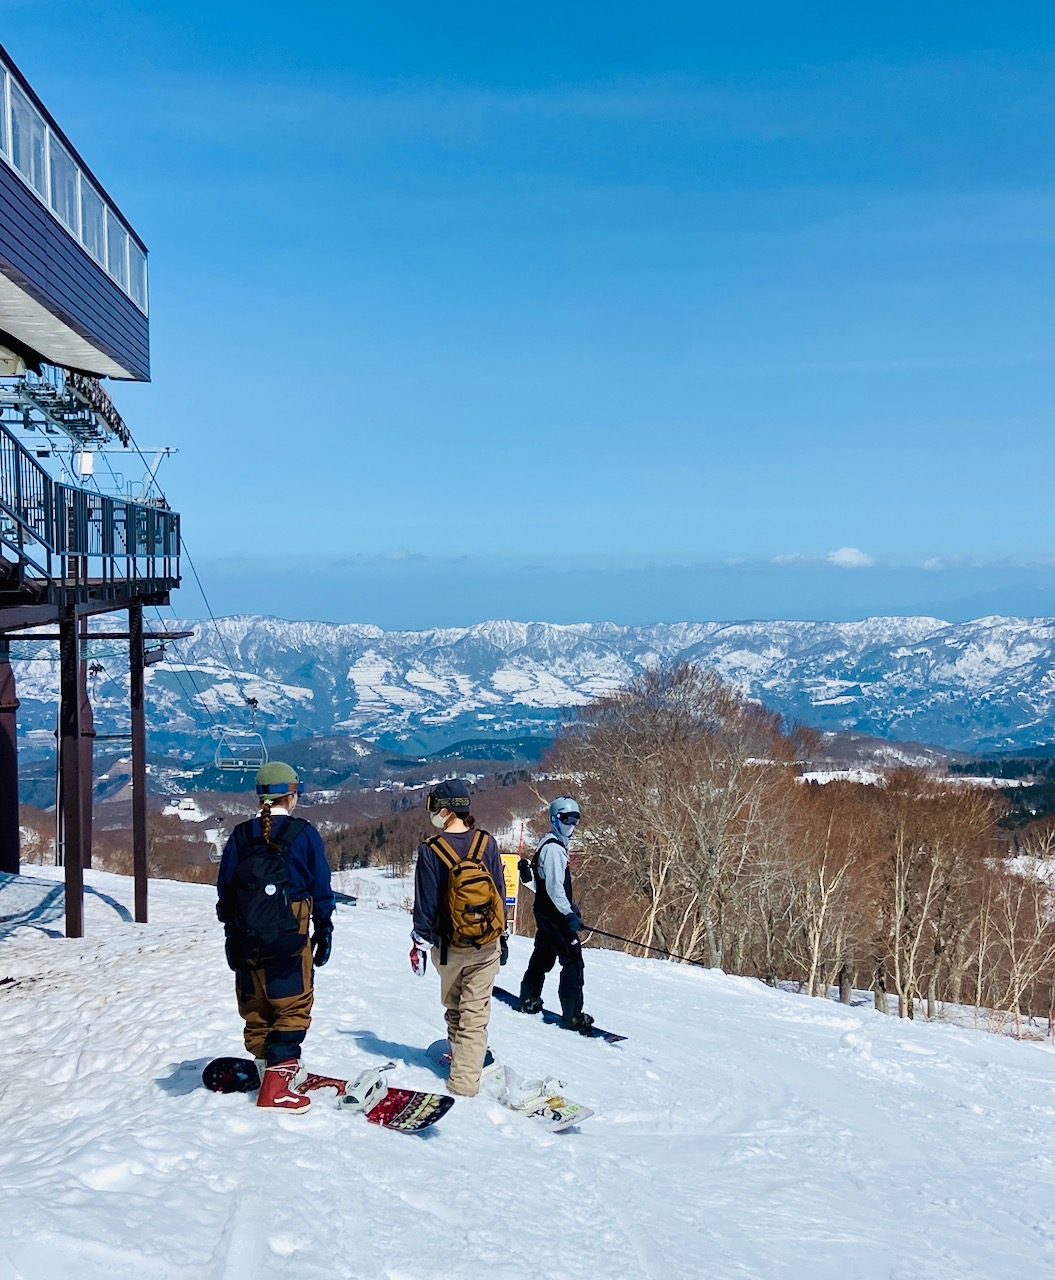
{"points": [[190, 676], [220, 636], [185, 554]]}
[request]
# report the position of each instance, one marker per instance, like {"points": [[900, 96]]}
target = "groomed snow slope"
{"points": [[740, 1132]]}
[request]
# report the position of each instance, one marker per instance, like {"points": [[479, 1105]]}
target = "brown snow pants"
{"points": [[466, 981], [275, 1001]]}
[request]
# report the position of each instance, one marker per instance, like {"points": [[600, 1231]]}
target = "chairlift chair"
{"points": [[239, 749]]}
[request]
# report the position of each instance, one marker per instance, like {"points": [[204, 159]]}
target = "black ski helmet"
{"points": [[452, 794]]}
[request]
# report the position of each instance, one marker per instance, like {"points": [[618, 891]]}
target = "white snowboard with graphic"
{"points": [[540, 1100]]}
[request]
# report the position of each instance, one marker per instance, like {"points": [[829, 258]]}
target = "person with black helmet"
{"points": [[459, 913], [557, 922], [273, 882]]}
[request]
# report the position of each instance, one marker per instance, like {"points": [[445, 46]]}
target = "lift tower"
{"points": [[73, 311]]}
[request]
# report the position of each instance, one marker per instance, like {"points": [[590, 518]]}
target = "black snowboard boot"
{"points": [[581, 1022], [530, 1004]]}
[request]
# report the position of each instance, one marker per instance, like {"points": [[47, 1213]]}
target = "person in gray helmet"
{"points": [[557, 922]]}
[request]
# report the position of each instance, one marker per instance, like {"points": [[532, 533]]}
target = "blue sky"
{"points": [[628, 312]]}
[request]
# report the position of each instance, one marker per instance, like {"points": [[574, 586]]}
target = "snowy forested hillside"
{"points": [[988, 684], [740, 1132]]}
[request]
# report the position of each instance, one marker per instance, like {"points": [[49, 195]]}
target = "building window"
{"points": [[63, 183], [3, 111], [117, 250], [137, 274], [92, 222], [29, 143], [27, 140]]}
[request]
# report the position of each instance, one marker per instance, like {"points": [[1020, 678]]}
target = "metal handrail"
{"points": [[61, 533]]}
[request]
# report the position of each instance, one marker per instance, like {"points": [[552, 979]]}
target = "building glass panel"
{"points": [[137, 274], [63, 183], [117, 250], [27, 140], [91, 221]]}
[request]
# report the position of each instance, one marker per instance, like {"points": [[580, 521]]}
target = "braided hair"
{"points": [[265, 820]]}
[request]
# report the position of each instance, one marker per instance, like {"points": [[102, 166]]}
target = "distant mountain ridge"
{"points": [[985, 685]]}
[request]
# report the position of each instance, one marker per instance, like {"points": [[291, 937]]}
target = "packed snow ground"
{"points": [[740, 1132]]}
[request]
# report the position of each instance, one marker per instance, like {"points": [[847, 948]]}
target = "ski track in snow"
{"points": [[740, 1132]]}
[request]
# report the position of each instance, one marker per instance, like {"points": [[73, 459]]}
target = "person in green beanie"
{"points": [[273, 883]]}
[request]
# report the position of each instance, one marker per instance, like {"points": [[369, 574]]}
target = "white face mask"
{"points": [[439, 819]]}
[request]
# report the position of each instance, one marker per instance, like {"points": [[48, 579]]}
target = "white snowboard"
{"points": [[540, 1100]]}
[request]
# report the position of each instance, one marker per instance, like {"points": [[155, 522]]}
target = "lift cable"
{"points": [[251, 703], [190, 676]]}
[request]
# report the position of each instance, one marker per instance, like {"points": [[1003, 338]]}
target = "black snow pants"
{"points": [[554, 941]]}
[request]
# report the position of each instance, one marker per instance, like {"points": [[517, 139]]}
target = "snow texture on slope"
{"points": [[740, 1132]]}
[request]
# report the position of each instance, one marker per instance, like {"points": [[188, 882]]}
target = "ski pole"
{"points": [[632, 942]]}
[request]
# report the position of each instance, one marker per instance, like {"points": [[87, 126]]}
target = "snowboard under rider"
{"points": [[467, 966], [557, 922], [273, 882]]}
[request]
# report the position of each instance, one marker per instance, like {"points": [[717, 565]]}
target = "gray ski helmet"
{"points": [[562, 805]]}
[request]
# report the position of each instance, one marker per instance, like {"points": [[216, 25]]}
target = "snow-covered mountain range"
{"points": [[982, 685]]}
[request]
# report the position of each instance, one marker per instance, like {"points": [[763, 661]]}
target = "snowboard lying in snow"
{"points": [[408, 1110], [540, 1100], [595, 1033]]}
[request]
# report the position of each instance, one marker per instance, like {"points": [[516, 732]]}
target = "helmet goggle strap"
{"points": [[276, 789], [434, 803]]}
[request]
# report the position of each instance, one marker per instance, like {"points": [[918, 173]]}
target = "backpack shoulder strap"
{"points": [[243, 839], [291, 828], [550, 839], [443, 851], [449, 857]]}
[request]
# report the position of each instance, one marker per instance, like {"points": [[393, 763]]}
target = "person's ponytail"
{"points": [[265, 823]]}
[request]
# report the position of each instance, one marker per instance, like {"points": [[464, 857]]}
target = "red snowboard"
{"points": [[407, 1110]]}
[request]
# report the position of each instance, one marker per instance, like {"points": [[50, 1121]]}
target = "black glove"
{"points": [[574, 921], [526, 874], [230, 954], [504, 945], [321, 941]]}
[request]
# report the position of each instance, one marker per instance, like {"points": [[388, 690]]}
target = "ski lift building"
{"points": [[73, 309]]}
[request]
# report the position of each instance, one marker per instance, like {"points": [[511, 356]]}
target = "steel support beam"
{"points": [[9, 831], [71, 695], [139, 760], [87, 747]]}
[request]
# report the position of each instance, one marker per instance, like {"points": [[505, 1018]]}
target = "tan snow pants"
{"points": [[466, 981], [276, 1001]]}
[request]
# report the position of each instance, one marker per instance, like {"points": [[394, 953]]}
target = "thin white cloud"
{"points": [[850, 558]]}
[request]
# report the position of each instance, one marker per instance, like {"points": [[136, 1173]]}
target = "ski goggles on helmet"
{"points": [[280, 789], [434, 803], [568, 819]]}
